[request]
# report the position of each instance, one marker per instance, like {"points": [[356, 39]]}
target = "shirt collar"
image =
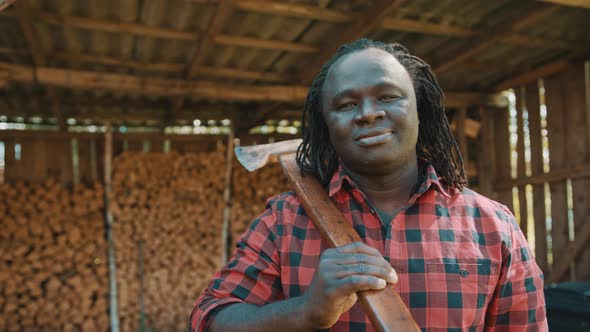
{"points": [[428, 179]]}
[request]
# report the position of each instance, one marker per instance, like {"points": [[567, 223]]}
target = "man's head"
{"points": [[369, 88]]}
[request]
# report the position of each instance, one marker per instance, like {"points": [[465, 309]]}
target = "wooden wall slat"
{"points": [[521, 163], [540, 225], [86, 170], [576, 154], [9, 162], [60, 160], [32, 164], [502, 140], [487, 159], [556, 118]]}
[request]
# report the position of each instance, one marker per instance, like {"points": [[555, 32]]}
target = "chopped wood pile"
{"points": [[53, 267], [250, 191], [168, 210]]}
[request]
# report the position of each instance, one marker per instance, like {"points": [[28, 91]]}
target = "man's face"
{"points": [[369, 106]]}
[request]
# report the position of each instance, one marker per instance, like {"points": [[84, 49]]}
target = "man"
{"points": [[375, 134]]}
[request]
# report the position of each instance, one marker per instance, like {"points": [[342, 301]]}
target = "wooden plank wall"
{"points": [[568, 135], [49, 154]]}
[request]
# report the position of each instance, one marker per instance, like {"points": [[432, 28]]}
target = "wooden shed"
{"points": [[131, 109]]}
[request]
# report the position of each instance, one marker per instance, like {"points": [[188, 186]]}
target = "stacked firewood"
{"points": [[168, 211], [53, 267], [250, 191]]}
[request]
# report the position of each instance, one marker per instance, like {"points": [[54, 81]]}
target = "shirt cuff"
{"points": [[205, 317]]}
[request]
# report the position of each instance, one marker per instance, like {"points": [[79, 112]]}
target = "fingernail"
{"points": [[393, 276], [382, 283]]}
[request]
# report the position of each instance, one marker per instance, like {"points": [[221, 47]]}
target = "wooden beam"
{"points": [[399, 24], [294, 10], [222, 14], [167, 67], [33, 43], [362, 25], [579, 171], [571, 3], [104, 60], [15, 51], [266, 44], [242, 74], [115, 27], [154, 85], [533, 75], [482, 42]]}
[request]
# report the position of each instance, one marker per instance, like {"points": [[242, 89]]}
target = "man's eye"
{"points": [[388, 98], [345, 107]]}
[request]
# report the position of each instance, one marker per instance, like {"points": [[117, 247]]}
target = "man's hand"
{"points": [[340, 274]]}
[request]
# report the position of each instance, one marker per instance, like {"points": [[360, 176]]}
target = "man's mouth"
{"points": [[374, 137]]}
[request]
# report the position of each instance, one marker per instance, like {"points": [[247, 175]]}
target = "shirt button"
{"points": [[373, 211], [464, 273]]}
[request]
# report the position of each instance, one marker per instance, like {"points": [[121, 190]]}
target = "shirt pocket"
{"points": [[460, 291]]}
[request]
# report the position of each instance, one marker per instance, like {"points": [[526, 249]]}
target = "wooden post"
{"points": [[521, 163], [461, 137], [556, 118], [540, 225], [225, 231], [487, 156], [577, 154], [502, 141], [108, 155], [94, 172]]}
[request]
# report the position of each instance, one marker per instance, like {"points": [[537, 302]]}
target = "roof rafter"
{"points": [[24, 18], [483, 41], [390, 23], [157, 67], [156, 86], [160, 32], [532, 75], [222, 14], [365, 23], [571, 3]]}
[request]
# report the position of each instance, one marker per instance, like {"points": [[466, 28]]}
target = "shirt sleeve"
{"points": [[252, 275], [518, 303]]}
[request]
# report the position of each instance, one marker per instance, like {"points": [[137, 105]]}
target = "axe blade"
{"points": [[257, 156]]}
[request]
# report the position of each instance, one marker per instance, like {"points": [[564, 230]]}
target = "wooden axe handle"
{"points": [[385, 308]]}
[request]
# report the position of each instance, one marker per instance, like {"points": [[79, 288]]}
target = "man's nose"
{"points": [[369, 111]]}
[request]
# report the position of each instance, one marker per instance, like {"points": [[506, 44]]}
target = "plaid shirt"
{"points": [[462, 261]]}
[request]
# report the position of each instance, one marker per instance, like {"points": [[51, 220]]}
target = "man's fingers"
{"points": [[355, 283], [343, 265], [383, 272]]}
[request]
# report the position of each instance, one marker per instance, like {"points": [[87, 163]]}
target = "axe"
{"points": [[385, 309]]}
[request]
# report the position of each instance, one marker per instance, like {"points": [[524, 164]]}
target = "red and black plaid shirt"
{"points": [[462, 261]]}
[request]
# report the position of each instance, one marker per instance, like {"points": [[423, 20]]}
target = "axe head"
{"points": [[256, 156]]}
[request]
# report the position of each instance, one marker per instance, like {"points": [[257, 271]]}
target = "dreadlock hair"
{"points": [[436, 144]]}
